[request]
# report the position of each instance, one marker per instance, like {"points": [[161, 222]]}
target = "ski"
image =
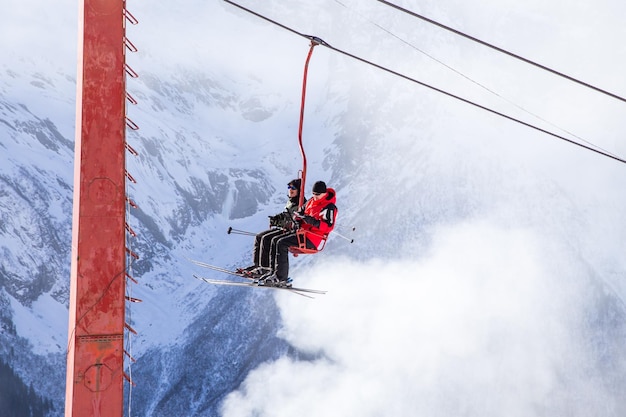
{"points": [[220, 269], [252, 280], [253, 284]]}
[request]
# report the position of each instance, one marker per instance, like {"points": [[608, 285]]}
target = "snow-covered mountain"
{"points": [[486, 276]]}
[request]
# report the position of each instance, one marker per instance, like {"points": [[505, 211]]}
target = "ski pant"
{"points": [[280, 253], [262, 246]]}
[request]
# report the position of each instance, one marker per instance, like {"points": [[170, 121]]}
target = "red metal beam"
{"points": [[95, 358]]}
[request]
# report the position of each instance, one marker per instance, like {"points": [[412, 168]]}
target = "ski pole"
{"points": [[343, 237], [239, 232]]}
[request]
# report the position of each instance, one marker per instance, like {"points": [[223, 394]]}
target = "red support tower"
{"points": [[95, 358]]}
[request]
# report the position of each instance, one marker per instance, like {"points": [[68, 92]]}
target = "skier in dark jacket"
{"points": [[280, 224], [317, 218]]}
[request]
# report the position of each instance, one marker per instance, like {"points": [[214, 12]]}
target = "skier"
{"points": [[316, 219], [280, 224]]}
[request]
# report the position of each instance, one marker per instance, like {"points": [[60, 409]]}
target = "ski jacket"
{"points": [[323, 213], [292, 206]]}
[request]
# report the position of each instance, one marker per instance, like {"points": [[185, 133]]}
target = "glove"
{"points": [[281, 220], [273, 220], [311, 220]]}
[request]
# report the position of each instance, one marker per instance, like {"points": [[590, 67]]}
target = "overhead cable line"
{"points": [[484, 87], [373, 64], [504, 51]]}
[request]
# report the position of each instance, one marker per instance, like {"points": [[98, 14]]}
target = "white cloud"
{"points": [[482, 326]]}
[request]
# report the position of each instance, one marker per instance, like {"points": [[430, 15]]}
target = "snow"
{"points": [[42, 324]]}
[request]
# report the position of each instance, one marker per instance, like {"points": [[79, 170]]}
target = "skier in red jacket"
{"points": [[317, 219]]}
